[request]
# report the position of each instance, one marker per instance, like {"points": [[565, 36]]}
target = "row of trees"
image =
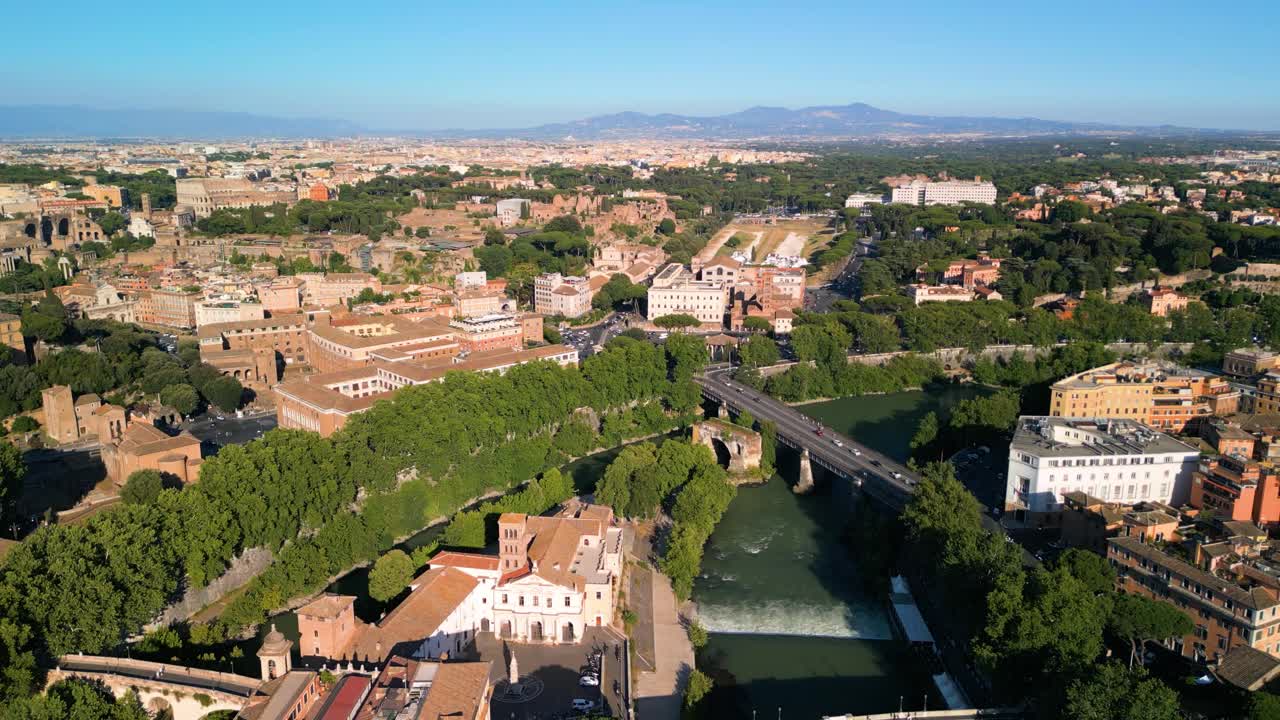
{"points": [[890, 323], [684, 480], [469, 529], [475, 528], [127, 361], [369, 216], [1025, 391], [409, 460], [829, 378], [696, 511], [485, 434], [1041, 631]]}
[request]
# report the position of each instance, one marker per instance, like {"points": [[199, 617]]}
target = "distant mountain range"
{"points": [[857, 120], [826, 122]]}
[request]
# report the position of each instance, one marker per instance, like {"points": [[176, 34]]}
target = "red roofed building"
{"points": [[408, 688], [345, 699], [319, 193]]}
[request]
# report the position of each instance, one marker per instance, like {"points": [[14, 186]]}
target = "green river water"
{"points": [[793, 633]]}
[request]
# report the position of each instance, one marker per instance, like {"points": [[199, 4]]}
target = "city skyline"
{"points": [[656, 362], [401, 67]]}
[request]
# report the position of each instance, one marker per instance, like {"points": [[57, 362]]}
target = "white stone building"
{"points": [[556, 294], [511, 211], [946, 192], [553, 576], [1119, 461]]}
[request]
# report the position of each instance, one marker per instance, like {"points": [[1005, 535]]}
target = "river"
{"points": [[792, 629], [793, 632]]}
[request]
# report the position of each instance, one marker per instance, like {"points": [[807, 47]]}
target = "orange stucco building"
{"points": [[326, 626], [1163, 396], [1237, 488], [145, 447]]}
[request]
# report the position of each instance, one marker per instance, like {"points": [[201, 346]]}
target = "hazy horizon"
{"points": [[413, 66]]}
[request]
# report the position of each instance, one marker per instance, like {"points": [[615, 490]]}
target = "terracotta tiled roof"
{"points": [[1247, 668], [142, 439], [327, 605], [513, 575], [283, 320], [459, 690], [472, 561], [436, 594]]}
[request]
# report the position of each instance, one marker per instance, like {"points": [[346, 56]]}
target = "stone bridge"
{"points": [[188, 693], [744, 445]]}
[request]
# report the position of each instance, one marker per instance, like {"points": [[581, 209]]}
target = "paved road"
{"points": [[640, 601], [585, 339], [882, 476], [823, 298], [231, 430], [659, 693], [558, 668]]}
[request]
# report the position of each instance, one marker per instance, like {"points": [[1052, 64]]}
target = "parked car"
{"points": [[589, 680], [583, 704]]}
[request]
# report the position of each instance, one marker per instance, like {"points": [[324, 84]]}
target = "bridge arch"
{"points": [[724, 455], [738, 445]]}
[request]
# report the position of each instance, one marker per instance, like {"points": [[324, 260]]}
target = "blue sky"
{"points": [[432, 64]]}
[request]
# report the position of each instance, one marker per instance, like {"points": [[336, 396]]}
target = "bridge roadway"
{"points": [[229, 683], [880, 476]]}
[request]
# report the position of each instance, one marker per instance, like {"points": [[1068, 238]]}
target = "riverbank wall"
{"points": [[953, 358]]}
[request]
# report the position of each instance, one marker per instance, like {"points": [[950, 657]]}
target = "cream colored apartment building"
{"points": [[1162, 396]]}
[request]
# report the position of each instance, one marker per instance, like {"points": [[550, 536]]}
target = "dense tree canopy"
{"points": [[296, 494], [1112, 692], [143, 487], [390, 575]]}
